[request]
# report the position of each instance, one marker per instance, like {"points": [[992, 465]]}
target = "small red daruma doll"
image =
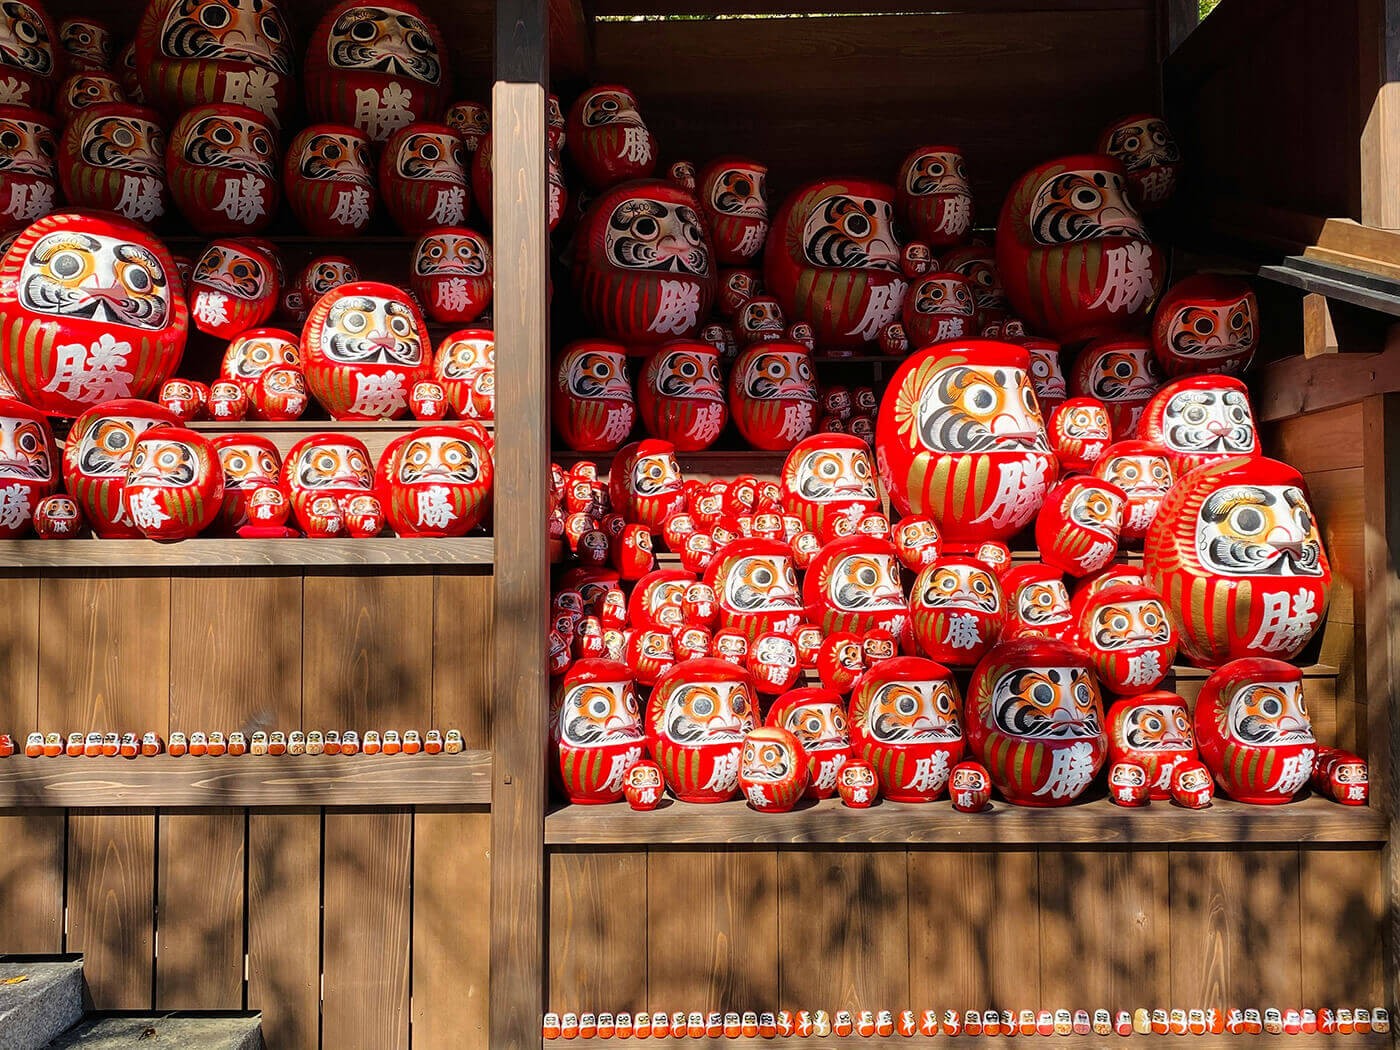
{"points": [[917, 542], [643, 785], [859, 788], [829, 476], [376, 67], [969, 788], [642, 268], [249, 462], [773, 395], [933, 197], [853, 584], [1153, 730], [733, 195], [320, 275], [1236, 553], [465, 365], [1077, 529], [1035, 720], [697, 718], [755, 584], [772, 769], [87, 44], [363, 348], [774, 664], [1206, 323], [222, 165], [28, 465], [1145, 477], [940, 306], [452, 274], [833, 261], [28, 170], [57, 518], [1192, 786], [1072, 252], [1047, 373], [607, 138], [658, 599], [958, 609], [96, 455], [174, 484], [1128, 636], [645, 484], [328, 175], [233, 288], [81, 90], [596, 728], [906, 721], [680, 395], [592, 403], [1121, 373], [1253, 730], [253, 352], [1127, 783], [817, 717], [471, 121], [1147, 150], [325, 465], [112, 157], [279, 394], [438, 481], [1037, 603], [31, 56], [423, 178], [1200, 420], [92, 310], [961, 410], [1079, 431]]}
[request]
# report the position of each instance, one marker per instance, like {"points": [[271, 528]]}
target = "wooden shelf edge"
{"points": [[1099, 822], [182, 783], [240, 553], [1371, 1041], [314, 426]]}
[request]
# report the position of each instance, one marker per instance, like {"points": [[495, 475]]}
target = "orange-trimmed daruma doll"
{"points": [[958, 609], [249, 462], [733, 193], [1199, 420], [1077, 529], [853, 584], [1079, 431], [755, 585], [423, 178], [465, 365], [363, 348], [697, 718], [773, 769], [933, 197], [325, 464], [817, 717], [680, 395], [328, 175], [249, 355], [87, 44], [960, 438], [112, 157], [378, 67], [1236, 553], [642, 267], [28, 166], [1072, 252], [592, 402], [828, 476], [28, 465], [96, 455], [773, 395], [1149, 154], [1035, 720], [82, 90], [1121, 373], [438, 481], [832, 260], [174, 484], [233, 288], [222, 164], [607, 138], [1153, 730], [906, 721], [596, 727], [1206, 323], [29, 53], [91, 309], [645, 483], [452, 274], [1253, 730], [940, 306], [195, 52], [1144, 474], [1127, 634]]}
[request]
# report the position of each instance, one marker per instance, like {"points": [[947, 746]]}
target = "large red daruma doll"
{"points": [[249, 462], [112, 157], [1206, 323], [377, 67], [607, 138], [28, 169], [465, 365], [697, 718], [756, 589], [29, 54], [960, 439], [96, 455], [853, 584], [832, 260], [452, 274], [642, 266], [28, 465], [437, 481], [222, 166], [1200, 420], [680, 395], [328, 175], [1072, 252], [817, 717], [733, 194], [174, 484], [906, 721], [933, 197], [1253, 730], [326, 464], [1035, 720], [1235, 552], [363, 348], [92, 310], [828, 476], [596, 726], [1153, 730], [592, 404], [773, 395], [423, 178], [958, 609], [645, 483]]}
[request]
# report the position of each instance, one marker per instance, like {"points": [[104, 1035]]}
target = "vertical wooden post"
{"points": [[522, 580], [1379, 68]]}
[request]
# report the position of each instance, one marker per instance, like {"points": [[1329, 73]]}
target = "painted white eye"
{"points": [[354, 322], [907, 705]]}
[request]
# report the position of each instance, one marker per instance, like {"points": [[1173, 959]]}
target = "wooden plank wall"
{"points": [[387, 905]]}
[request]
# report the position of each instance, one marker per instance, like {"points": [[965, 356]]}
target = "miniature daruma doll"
{"points": [[960, 438], [1235, 551], [596, 727], [91, 310], [1254, 732], [377, 67], [1127, 635], [222, 164], [1072, 252], [438, 481], [773, 395], [817, 717], [958, 608], [906, 721], [755, 585], [645, 484], [325, 465], [82, 90], [853, 584], [363, 348], [29, 53], [1037, 602], [933, 197], [1121, 374], [772, 769], [1035, 720], [1200, 420], [829, 476], [1206, 323], [833, 261], [452, 274], [251, 354], [940, 306], [642, 266], [592, 403], [733, 193], [249, 462], [465, 365], [96, 455], [1079, 431], [1145, 146], [329, 178], [423, 178], [1077, 529], [28, 171], [233, 288], [607, 138], [28, 465], [697, 718], [681, 395], [1153, 730], [1144, 475], [174, 484], [113, 157]]}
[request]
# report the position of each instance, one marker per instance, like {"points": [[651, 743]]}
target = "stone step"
{"points": [[166, 1031], [40, 998]]}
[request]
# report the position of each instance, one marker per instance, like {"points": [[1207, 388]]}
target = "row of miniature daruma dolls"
{"points": [[214, 745]]}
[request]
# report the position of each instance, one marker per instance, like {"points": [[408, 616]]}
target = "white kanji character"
{"points": [[1144, 668], [679, 308], [930, 774], [948, 328], [256, 88], [827, 772], [379, 396], [617, 425], [449, 207], [1295, 772], [211, 308], [1140, 515], [751, 243], [1157, 184], [29, 201], [725, 775], [140, 198], [242, 201], [13, 92], [1165, 771], [1020, 493], [648, 795], [636, 145], [965, 799], [886, 302], [351, 207], [963, 632], [379, 116], [756, 795], [1129, 281], [860, 794], [1093, 450], [14, 506], [556, 204], [1282, 630], [451, 294], [92, 373], [708, 422], [957, 215], [1071, 769], [435, 508], [620, 765], [146, 511], [798, 417], [1099, 554]]}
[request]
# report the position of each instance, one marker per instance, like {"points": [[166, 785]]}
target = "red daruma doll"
{"points": [[28, 465], [1120, 373], [438, 481], [1037, 602], [249, 462], [1153, 730], [829, 476], [112, 157], [1035, 720], [933, 197], [1254, 732], [773, 395], [31, 56], [325, 465], [174, 484], [1236, 553], [28, 171], [96, 456], [853, 584], [645, 484], [233, 288], [1144, 476], [817, 717], [452, 274], [697, 718], [755, 584], [958, 609], [222, 164], [681, 395], [772, 770], [329, 178], [465, 366], [733, 194], [1149, 153], [607, 139], [1127, 635], [251, 354], [1200, 420], [592, 403], [423, 178], [1079, 431], [941, 306], [1206, 323], [596, 728], [906, 721], [1077, 529]]}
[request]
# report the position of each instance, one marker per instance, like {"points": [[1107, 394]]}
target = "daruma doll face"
{"points": [[174, 484], [697, 718], [329, 178], [933, 195], [906, 721], [1148, 152], [29, 52], [363, 347], [1200, 420], [853, 584], [827, 476], [608, 139], [1206, 323], [28, 169], [96, 456], [439, 481], [1153, 730], [28, 464], [681, 395], [773, 395], [592, 398], [1144, 476], [755, 583], [1128, 636], [596, 727], [465, 365], [958, 610], [733, 195]]}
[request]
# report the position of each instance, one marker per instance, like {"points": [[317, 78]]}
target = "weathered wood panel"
{"points": [[284, 927], [111, 905], [598, 910], [200, 910]]}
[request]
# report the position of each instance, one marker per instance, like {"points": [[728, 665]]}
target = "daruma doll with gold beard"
{"points": [[906, 721], [817, 717], [1153, 730], [596, 727], [933, 197], [423, 178], [363, 347], [1077, 529], [465, 365], [958, 609], [112, 157], [249, 462], [592, 403], [327, 464], [329, 178], [697, 718], [29, 53], [733, 194], [680, 395], [1035, 720], [1144, 475], [1206, 323], [1200, 420], [829, 476], [1236, 553], [437, 481], [773, 395], [452, 274], [940, 306], [645, 483], [607, 138], [1072, 252], [1253, 730], [960, 439], [755, 585], [222, 164], [1127, 634], [28, 465], [28, 168], [174, 484], [92, 310], [642, 267], [773, 769], [833, 261], [853, 585], [96, 455]]}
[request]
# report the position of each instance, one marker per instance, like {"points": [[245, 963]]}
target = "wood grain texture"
{"points": [[111, 905], [597, 955], [451, 929], [366, 933], [31, 881], [284, 927], [1378, 69], [1342, 914], [304, 553], [200, 910], [463, 685], [19, 656]]}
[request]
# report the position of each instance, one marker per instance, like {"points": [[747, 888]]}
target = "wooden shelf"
{"points": [[230, 553], [1343, 283], [376, 435], [981, 1042], [1099, 822], [323, 780]]}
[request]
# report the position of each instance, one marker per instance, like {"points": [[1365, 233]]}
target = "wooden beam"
{"points": [[1378, 67], [309, 554], [1319, 334], [1294, 385]]}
